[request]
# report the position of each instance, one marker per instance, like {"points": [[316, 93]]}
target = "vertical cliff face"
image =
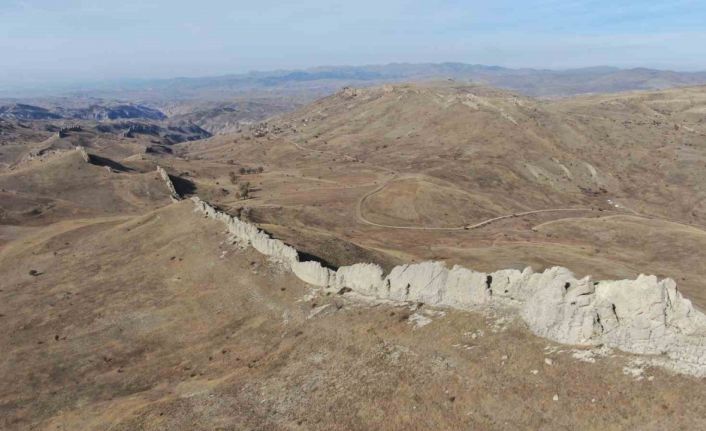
{"points": [[313, 273], [466, 288], [363, 278], [561, 308], [642, 316], [274, 248]]}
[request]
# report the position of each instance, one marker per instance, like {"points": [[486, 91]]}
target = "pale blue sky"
{"points": [[66, 40]]}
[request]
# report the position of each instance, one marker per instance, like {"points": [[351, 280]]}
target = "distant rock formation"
{"points": [[84, 155], [117, 112], [260, 130], [349, 92], [643, 316], [64, 131], [99, 112], [170, 185], [23, 112], [141, 129]]}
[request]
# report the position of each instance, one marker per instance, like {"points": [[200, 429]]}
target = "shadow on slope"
{"points": [[106, 162], [183, 186]]}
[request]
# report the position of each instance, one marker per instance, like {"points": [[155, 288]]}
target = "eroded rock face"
{"points": [[274, 248], [511, 283], [642, 316], [420, 282], [313, 273], [561, 307], [466, 288], [363, 278], [84, 155], [648, 316], [170, 185]]}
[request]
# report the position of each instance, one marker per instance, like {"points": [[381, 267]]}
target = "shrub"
{"points": [[244, 190]]}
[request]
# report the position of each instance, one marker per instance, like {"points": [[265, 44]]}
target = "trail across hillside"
{"points": [[359, 205], [476, 225]]}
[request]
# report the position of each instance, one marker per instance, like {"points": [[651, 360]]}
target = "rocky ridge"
{"points": [[94, 111], [644, 316], [84, 154], [170, 185]]}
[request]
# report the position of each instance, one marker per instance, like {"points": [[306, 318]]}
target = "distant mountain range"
{"points": [[222, 104], [305, 85], [113, 111]]}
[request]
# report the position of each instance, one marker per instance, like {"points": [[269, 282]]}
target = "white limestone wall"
{"points": [[84, 155], [274, 248], [649, 316], [313, 273], [168, 181], [512, 284], [466, 288], [561, 308], [421, 282], [363, 278], [643, 316]]}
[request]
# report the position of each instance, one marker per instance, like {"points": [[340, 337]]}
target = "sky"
{"points": [[63, 41]]}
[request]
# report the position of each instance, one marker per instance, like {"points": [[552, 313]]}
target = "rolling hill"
{"points": [[472, 175], [125, 309]]}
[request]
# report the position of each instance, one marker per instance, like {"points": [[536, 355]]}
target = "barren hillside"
{"points": [[474, 175], [155, 322], [125, 310]]}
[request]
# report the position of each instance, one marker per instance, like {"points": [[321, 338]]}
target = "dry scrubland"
{"points": [[442, 156], [140, 315], [155, 322]]}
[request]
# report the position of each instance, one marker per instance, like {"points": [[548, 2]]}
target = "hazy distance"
{"points": [[67, 41]]}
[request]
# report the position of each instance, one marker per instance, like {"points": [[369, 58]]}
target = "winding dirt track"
{"points": [[359, 206]]}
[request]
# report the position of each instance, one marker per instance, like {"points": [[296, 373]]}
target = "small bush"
{"points": [[243, 190]]}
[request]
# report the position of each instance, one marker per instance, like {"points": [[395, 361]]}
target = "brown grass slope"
{"points": [[66, 186], [121, 316], [154, 323], [443, 155], [524, 153]]}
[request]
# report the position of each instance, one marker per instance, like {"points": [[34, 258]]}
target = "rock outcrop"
{"points": [[364, 278], [84, 155], [170, 185], [561, 308], [643, 316], [65, 131], [314, 273]]}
